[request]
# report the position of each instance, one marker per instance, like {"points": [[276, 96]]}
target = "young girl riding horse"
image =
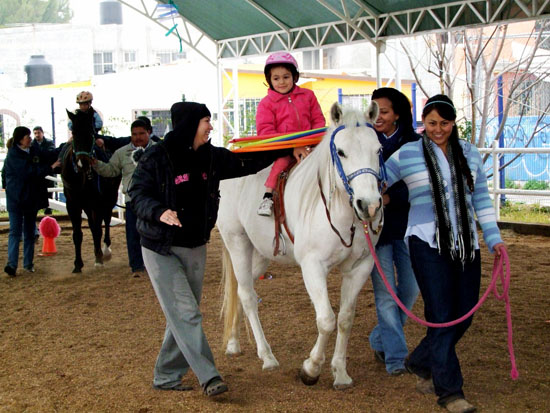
{"points": [[286, 108]]}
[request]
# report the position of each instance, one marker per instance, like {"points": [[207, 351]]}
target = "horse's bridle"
{"points": [[346, 179]]}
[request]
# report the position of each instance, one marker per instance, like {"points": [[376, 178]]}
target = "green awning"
{"points": [[253, 27]]}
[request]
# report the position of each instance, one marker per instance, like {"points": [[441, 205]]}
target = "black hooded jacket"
{"points": [[172, 175]]}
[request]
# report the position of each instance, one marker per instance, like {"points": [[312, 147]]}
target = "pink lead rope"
{"points": [[498, 273]]}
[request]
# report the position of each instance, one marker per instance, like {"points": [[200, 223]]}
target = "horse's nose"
{"points": [[368, 208]]}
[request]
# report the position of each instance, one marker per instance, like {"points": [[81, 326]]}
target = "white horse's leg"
{"points": [[232, 309], [315, 279], [245, 263], [233, 344], [352, 282]]}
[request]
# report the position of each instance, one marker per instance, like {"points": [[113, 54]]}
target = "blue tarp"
{"points": [[528, 167]]}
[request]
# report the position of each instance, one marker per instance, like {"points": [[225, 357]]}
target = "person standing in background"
{"points": [[22, 177], [394, 129], [123, 163], [46, 150]]}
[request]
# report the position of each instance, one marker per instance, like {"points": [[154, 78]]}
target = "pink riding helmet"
{"points": [[281, 57]]}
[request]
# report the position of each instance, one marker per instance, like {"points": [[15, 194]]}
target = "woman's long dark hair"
{"points": [[446, 109]]}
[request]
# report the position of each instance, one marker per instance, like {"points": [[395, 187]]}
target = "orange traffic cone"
{"points": [[49, 228], [48, 247]]}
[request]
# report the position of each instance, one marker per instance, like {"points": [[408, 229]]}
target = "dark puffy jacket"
{"points": [[23, 178], [397, 211], [47, 153], [153, 190]]}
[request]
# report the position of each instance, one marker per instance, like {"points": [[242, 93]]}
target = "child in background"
{"points": [[286, 108], [84, 100]]}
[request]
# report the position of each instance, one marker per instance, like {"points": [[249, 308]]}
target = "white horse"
{"points": [[345, 165]]}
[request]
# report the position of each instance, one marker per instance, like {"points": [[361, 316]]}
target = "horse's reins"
{"points": [[334, 229], [498, 273]]}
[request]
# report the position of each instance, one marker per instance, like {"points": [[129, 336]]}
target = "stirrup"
{"points": [[282, 251]]}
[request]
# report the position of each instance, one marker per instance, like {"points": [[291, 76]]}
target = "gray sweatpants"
{"points": [[177, 280]]}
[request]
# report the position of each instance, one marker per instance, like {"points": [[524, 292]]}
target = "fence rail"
{"points": [[496, 189]]}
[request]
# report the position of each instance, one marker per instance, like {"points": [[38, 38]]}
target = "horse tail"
{"points": [[230, 306]]}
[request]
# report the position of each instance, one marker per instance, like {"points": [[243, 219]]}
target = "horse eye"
{"points": [[341, 153]]}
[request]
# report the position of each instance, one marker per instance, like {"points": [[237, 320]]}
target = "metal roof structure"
{"points": [[256, 27], [241, 28]]}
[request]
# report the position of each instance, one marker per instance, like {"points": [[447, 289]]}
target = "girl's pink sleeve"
{"points": [[265, 119], [317, 117]]}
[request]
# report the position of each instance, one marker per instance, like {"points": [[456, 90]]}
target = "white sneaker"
{"points": [[266, 207]]}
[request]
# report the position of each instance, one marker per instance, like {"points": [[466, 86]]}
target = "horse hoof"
{"points": [[77, 271], [307, 379], [107, 254], [98, 265], [270, 364], [343, 386]]}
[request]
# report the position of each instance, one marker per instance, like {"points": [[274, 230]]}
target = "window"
{"points": [[247, 116], [165, 57], [130, 56], [357, 101], [103, 63], [311, 60], [178, 55], [160, 119]]}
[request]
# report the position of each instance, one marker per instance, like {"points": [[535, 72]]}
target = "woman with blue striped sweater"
{"points": [[447, 188]]}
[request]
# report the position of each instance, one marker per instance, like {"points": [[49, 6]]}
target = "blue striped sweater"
{"points": [[408, 164]]}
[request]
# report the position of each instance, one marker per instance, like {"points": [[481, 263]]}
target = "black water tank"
{"points": [[110, 12], [39, 71]]}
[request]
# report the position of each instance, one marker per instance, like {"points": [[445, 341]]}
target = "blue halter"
{"points": [[346, 179]]}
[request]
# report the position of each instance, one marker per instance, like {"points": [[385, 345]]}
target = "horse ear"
{"points": [[336, 113], [371, 114], [70, 114]]}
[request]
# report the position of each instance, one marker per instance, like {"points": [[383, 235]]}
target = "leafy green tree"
{"points": [[34, 11]]}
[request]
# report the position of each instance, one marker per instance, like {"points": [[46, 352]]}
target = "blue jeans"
{"points": [[388, 335], [22, 223], [449, 291], [135, 259]]}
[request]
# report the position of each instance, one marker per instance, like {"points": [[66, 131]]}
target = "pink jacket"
{"points": [[294, 112]]}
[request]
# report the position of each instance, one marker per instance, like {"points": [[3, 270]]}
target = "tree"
{"points": [[479, 57], [34, 11]]}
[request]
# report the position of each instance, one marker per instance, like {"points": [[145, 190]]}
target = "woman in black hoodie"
{"points": [[174, 192]]}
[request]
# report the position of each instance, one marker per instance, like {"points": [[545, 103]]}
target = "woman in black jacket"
{"points": [[22, 178], [394, 129], [175, 195]]}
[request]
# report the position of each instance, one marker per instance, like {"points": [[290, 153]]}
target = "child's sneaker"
{"points": [[266, 207]]}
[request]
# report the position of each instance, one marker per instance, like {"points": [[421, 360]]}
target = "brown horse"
{"points": [[86, 191]]}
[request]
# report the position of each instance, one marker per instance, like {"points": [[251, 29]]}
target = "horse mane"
{"points": [[319, 164]]}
